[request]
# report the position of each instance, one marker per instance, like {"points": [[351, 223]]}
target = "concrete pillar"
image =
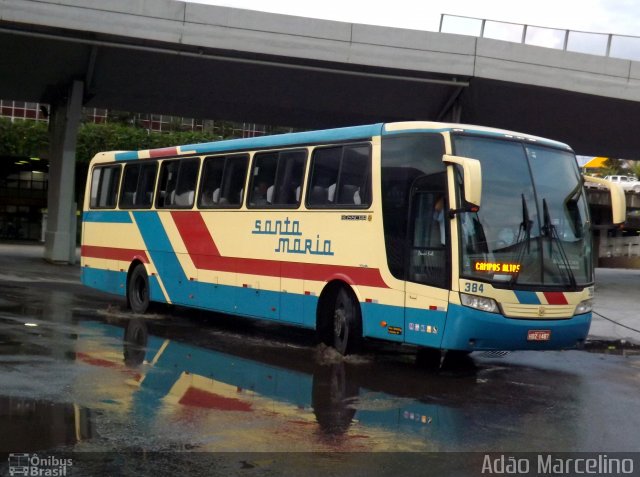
{"points": [[60, 237]]}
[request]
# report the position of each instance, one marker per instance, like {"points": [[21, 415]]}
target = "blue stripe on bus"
{"points": [[155, 292], [110, 281], [107, 216], [291, 139], [126, 156], [374, 313], [314, 137], [164, 258], [527, 298]]}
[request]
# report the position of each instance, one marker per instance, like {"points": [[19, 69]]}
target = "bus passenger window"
{"points": [[263, 179], [277, 179], [146, 183], [211, 181], [324, 176], [177, 185], [104, 187], [129, 184], [137, 186], [290, 173], [355, 176], [235, 174], [341, 176], [222, 181]]}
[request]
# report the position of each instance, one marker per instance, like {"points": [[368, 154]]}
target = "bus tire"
{"points": [[138, 290], [347, 323]]}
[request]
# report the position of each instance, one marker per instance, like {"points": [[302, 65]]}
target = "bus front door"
{"points": [[427, 285]]}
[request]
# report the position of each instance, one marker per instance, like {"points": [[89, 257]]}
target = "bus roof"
{"points": [[318, 137]]}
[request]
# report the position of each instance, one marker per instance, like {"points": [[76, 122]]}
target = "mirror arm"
{"points": [[470, 208]]}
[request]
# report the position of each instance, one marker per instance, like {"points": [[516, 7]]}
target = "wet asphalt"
{"points": [[81, 374]]}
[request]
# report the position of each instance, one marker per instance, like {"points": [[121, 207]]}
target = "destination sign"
{"points": [[496, 267]]}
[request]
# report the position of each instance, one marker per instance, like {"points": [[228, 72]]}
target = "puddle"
{"points": [[30, 425]]}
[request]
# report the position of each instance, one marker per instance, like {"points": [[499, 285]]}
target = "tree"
{"points": [[23, 138], [613, 167]]}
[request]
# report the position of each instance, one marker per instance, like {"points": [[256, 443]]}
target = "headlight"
{"points": [[584, 307], [479, 303]]}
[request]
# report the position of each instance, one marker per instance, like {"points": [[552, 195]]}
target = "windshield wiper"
{"points": [[550, 231], [523, 239]]}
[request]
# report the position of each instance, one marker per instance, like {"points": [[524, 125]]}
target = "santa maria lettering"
{"points": [[290, 238]]}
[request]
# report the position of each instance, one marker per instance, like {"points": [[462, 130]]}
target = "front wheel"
{"points": [[138, 290], [347, 323]]}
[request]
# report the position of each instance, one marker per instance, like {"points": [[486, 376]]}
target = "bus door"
{"points": [[427, 263]]}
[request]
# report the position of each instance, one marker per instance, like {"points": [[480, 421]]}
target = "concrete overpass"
{"points": [[170, 57]]}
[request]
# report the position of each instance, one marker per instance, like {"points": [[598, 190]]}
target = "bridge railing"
{"points": [[602, 44]]}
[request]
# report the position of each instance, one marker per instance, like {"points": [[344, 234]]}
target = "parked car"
{"points": [[626, 182]]}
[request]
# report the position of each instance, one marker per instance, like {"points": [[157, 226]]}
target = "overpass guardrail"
{"points": [[602, 44]]}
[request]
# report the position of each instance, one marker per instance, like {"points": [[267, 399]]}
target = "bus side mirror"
{"points": [[472, 175], [618, 200]]}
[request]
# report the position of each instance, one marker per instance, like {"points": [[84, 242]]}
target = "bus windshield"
{"points": [[533, 226]]}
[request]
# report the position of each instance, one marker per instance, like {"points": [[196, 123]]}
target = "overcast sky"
{"points": [[604, 16]]}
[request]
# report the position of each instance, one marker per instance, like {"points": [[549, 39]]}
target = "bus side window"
{"points": [[290, 173], [223, 181], [211, 181], [165, 191], [129, 184], [341, 176], [186, 184], [355, 176], [263, 179], [104, 187], [177, 185], [235, 174], [325, 167], [137, 186], [146, 183]]}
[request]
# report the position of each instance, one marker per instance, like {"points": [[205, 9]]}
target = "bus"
{"points": [[443, 236]]}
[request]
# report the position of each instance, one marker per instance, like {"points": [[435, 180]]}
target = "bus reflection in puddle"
{"points": [[281, 399]]}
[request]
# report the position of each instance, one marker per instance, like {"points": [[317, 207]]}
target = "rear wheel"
{"points": [[138, 290], [347, 323]]}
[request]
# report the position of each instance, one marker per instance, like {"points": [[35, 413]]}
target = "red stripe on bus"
{"points": [[163, 152], [302, 271], [205, 256], [195, 235], [112, 253], [556, 298]]}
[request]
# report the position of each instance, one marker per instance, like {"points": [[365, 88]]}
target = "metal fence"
{"points": [[602, 44]]}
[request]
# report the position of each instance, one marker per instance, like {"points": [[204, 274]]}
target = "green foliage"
{"points": [[613, 167], [635, 168], [30, 138], [123, 132], [94, 138], [23, 138]]}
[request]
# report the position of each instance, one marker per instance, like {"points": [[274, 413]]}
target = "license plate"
{"points": [[538, 335]]}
